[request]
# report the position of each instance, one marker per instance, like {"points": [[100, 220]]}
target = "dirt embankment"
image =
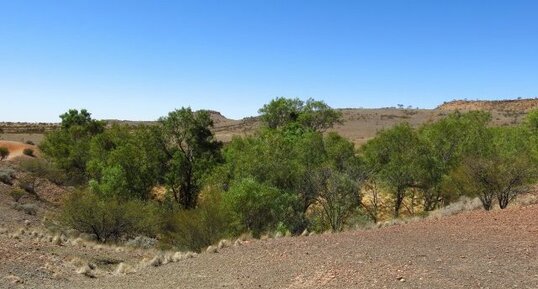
{"points": [[16, 149]]}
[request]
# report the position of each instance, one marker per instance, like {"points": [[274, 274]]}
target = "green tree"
{"points": [[290, 160], [69, 146], [312, 114], [257, 207], [502, 169], [126, 162], [338, 195], [192, 152], [391, 157], [443, 145]]}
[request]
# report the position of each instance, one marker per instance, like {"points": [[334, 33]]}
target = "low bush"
{"points": [[28, 152], [16, 194], [29, 208], [197, 228], [142, 242], [6, 176], [29, 184], [4, 152], [257, 207], [462, 205], [108, 219], [43, 169]]}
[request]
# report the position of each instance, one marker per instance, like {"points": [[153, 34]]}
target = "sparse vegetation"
{"points": [[28, 208], [40, 168], [16, 194], [29, 183]]}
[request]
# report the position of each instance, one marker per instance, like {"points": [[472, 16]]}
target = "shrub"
{"points": [[43, 169], [463, 204], [6, 176], [16, 194], [142, 242], [108, 219], [198, 228], [4, 152], [256, 207], [29, 208], [29, 183], [28, 152]]}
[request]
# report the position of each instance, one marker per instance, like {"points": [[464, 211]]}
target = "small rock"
{"points": [[14, 279]]}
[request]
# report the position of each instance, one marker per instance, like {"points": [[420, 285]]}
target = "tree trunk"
{"points": [[398, 202]]}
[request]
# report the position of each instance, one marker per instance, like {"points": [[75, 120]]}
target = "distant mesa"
{"points": [[216, 116], [519, 105]]}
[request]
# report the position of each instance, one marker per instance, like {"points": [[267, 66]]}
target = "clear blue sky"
{"points": [[138, 60]]}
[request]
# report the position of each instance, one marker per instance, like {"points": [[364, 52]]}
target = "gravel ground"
{"points": [[471, 250]]}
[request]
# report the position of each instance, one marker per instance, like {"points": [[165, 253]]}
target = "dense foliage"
{"points": [[175, 181]]}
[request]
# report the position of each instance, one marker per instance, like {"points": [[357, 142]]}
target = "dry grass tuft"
{"points": [[189, 255], [238, 243], [526, 199], [223, 244], [212, 249], [156, 261], [462, 205], [178, 256], [87, 271], [57, 240], [123, 269]]}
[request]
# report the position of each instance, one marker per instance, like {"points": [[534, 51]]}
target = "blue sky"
{"points": [[138, 60]]}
